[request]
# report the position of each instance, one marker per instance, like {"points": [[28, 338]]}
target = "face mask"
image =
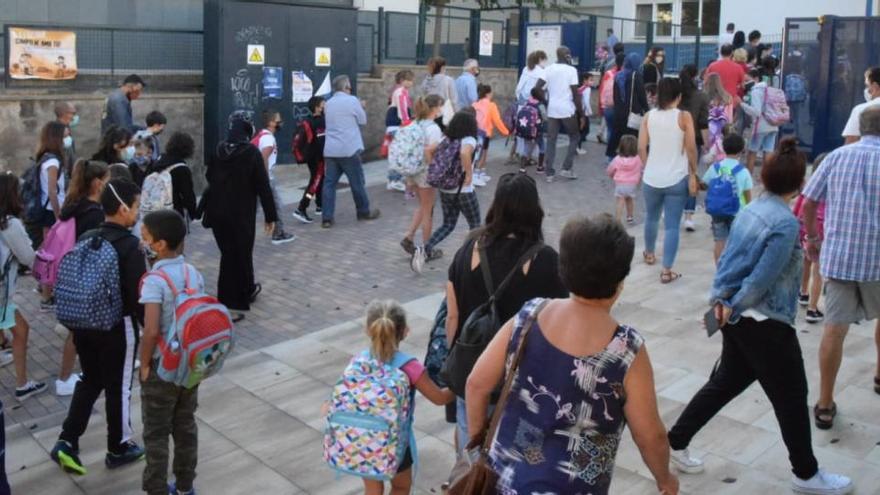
{"points": [[278, 126], [543, 64], [68, 142], [868, 96], [477, 74], [658, 60], [151, 254], [128, 154], [74, 122]]}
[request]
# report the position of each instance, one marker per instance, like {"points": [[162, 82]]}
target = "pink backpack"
{"points": [[775, 107], [58, 242]]}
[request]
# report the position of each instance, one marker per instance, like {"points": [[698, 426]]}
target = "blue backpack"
{"points": [[88, 294], [32, 191], [722, 198], [795, 87]]}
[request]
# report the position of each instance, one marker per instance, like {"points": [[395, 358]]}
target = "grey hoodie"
{"points": [[14, 244]]}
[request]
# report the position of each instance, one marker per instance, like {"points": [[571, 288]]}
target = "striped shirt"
{"points": [[849, 182]]}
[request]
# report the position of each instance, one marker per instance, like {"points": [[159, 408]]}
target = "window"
{"points": [[644, 15], [664, 20], [711, 17], [690, 18]]}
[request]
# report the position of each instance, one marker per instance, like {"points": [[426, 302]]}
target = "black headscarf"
{"points": [[240, 129]]}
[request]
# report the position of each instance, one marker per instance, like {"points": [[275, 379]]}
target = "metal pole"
{"points": [[869, 8], [475, 34], [381, 35], [697, 49], [420, 44], [507, 42]]}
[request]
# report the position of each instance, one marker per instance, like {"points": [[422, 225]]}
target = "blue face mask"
{"points": [[68, 142], [74, 122], [128, 154]]}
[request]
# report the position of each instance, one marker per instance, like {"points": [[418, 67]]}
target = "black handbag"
{"points": [[481, 325]]}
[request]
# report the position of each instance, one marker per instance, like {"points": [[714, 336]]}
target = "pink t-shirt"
{"points": [[625, 170], [414, 370]]}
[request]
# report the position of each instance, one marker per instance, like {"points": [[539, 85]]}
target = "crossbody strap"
{"points": [[632, 91], [484, 268], [508, 381]]}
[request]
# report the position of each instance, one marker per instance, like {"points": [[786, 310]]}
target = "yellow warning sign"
{"points": [[322, 57], [256, 54]]}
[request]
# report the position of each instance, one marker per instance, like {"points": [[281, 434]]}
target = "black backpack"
{"points": [[481, 325]]}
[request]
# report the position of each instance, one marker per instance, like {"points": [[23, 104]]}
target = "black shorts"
{"points": [[407, 461], [486, 144]]}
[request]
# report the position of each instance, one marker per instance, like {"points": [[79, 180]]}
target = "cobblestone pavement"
{"points": [[259, 421]]}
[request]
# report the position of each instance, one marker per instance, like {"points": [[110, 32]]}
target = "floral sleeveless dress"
{"points": [[562, 423]]}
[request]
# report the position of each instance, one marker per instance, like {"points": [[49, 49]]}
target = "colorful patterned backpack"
{"points": [[444, 171], [370, 423], [406, 153]]}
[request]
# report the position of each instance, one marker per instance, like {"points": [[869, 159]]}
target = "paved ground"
{"points": [[259, 421]]}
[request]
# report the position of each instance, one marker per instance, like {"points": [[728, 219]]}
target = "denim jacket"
{"points": [[761, 265]]}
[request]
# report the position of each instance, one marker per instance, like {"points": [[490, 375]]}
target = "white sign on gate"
{"points": [[486, 38], [545, 38]]}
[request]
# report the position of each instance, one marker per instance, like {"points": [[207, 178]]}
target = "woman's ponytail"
{"points": [[84, 172]]}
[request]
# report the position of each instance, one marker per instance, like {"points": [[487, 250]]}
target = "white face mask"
{"points": [[868, 96], [128, 153], [68, 142]]}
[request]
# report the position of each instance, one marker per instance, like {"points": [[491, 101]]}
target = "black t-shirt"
{"points": [[542, 279]]}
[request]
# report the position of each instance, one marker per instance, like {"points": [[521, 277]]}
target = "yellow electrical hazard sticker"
{"points": [[322, 57], [256, 54]]}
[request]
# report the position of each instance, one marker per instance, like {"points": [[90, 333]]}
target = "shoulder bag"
{"points": [[478, 477], [634, 120]]}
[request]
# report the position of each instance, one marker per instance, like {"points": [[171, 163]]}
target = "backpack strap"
{"points": [[737, 169], [164, 276], [400, 359]]}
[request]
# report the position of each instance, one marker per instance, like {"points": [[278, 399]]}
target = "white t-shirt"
{"points": [[472, 142], [433, 134], [267, 140], [44, 182], [560, 78], [588, 105], [527, 82], [852, 125], [725, 38]]}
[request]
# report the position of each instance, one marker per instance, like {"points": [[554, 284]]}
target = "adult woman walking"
{"points": [[531, 73], [513, 228], [440, 84], [178, 150], [696, 104], [629, 99], [236, 179], [755, 296], [670, 172], [653, 65], [115, 147], [561, 424]]}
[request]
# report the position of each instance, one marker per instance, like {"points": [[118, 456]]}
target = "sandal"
{"points": [[877, 384], [669, 277], [650, 259], [821, 413]]}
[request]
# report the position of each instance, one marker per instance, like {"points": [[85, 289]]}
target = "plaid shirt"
{"points": [[849, 182]]}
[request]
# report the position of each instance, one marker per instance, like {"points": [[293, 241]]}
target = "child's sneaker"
{"points": [[67, 457], [131, 452], [540, 169], [823, 483], [172, 490], [803, 299], [6, 358], [567, 174], [814, 316], [418, 259], [66, 387], [48, 306], [302, 216], [30, 388], [434, 254], [630, 221], [683, 461], [689, 225], [282, 237]]}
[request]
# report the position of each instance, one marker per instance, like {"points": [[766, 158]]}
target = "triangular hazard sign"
{"points": [[256, 57], [323, 59]]}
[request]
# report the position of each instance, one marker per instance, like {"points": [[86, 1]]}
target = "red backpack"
{"points": [[256, 139], [302, 141]]}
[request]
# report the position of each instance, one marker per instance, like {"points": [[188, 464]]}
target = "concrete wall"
{"points": [[22, 117]]}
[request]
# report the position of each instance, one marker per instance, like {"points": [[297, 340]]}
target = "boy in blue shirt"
{"points": [[167, 409], [733, 145]]}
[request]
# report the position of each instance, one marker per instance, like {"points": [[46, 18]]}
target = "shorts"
{"points": [[419, 180], [763, 142], [848, 302], [47, 219], [486, 140], [625, 190], [7, 316], [721, 227]]}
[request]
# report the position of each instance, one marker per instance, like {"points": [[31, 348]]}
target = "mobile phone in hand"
{"points": [[710, 322]]}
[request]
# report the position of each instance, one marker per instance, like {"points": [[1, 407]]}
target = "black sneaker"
{"points": [[131, 452], [282, 237], [302, 216], [804, 299], [318, 210], [408, 245], [814, 316], [434, 254], [67, 457], [372, 215], [30, 388]]}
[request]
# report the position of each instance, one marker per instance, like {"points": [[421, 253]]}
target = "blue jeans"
{"points": [[670, 201], [608, 114], [461, 427], [333, 170], [691, 205]]}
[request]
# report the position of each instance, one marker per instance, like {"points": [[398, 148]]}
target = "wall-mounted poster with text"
{"points": [[42, 54]]}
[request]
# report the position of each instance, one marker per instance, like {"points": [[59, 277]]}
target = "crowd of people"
{"points": [[558, 429]]}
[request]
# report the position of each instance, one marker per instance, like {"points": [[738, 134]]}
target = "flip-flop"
{"points": [[669, 277], [650, 259], [820, 412]]}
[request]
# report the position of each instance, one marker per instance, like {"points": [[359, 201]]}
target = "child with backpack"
{"points": [[626, 171], [82, 209], [530, 129], [15, 250], [488, 119], [169, 396], [811, 280], [97, 299], [379, 375], [585, 91], [308, 148], [729, 186], [769, 110]]}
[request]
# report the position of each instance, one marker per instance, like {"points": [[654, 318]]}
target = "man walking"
{"points": [[466, 84], [564, 108], [851, 132], [117, 108], [849, 183], [268, 146], [344, 114], [611, 40], [726, 38]]}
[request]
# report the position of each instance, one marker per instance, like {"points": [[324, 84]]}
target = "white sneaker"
{"points": [[683, 462], [581, 151], [418, 260], [6, 358], [65, 388], [689, 226], [478, 181], [823, 483], [396, 185], [567, 174]]}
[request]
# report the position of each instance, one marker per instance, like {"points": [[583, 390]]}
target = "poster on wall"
{"points": [[272, 84], [42, 54], [301, 87], [486, 38], [546, 38]]}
